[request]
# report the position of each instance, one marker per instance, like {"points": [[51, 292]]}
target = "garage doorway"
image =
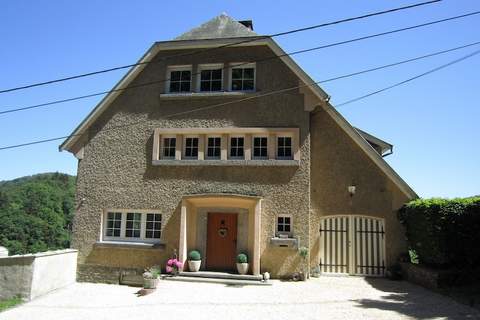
{"points": [[352, 244]]}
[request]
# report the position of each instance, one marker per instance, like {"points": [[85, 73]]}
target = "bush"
{"points": [[242, 258], [194, 255], [443, 232]]}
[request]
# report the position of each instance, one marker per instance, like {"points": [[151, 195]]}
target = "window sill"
{"points": [[284, 242], [228, 163], [127, 244], [188, 95]]}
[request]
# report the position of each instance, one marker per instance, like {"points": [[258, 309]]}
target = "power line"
{"points": [[35, 106], [408, 80], [219, 47], [272, 93]]}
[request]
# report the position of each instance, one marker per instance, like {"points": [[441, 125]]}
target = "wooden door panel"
{"points": [[221, 241]]}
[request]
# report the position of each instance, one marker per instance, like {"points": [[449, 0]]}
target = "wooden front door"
{"points": [[221, 241]]}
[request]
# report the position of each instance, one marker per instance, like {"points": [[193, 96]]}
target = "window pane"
{"points": [[174, 86], [287, 220], [156, 234], [111, 215], [149, 234], [174, 75], [109, 224], [205, 86], [109, 232], [205, 75], [280, 220], [149, 225], [185, 87], [186, 75], [237, 73], [248, 85], [248, 73], [287, 228], [117, 224], [216, 85], [236, 85], [128, 233], [116, 233], [217, 74]]}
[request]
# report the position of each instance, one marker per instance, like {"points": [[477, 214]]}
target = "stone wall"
{"points": [[33, 275]]}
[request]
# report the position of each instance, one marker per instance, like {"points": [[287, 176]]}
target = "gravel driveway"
{"points": [[323, 298]]}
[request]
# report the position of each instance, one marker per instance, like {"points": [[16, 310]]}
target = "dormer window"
{"points": [[243, 77], [211, 78], [179, 79]]}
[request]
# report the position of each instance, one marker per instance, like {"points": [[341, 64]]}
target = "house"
{"points": [[209, 156]]}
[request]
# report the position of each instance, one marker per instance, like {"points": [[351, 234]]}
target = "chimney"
{"points": [[247, 23]]}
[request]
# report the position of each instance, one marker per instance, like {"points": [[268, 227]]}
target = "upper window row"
{"points": [[210, 78], [236, 147]]}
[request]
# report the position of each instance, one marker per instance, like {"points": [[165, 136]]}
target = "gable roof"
{"points": [[221, 26], [189, 40]]}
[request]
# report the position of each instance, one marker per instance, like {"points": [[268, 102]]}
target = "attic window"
{"points": [[179, 79], [210, 78], [243, 77]]}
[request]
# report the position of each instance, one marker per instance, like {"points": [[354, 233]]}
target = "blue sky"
{"points": [[433, 122]]}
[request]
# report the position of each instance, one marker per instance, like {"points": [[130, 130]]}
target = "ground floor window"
{"points": [[284, 225], [132, 225]]}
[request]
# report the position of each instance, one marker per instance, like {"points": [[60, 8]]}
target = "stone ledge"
{"points": [[228, 163], [218, 94], [284, 242], [130, 245]]}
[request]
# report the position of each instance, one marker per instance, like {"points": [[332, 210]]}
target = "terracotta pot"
{"points": [[242, 268], [194, 266]]}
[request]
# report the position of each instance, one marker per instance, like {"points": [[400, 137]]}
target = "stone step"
{"points": [[229, 282], [221, 275]]}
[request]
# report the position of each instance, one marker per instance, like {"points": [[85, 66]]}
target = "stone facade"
{"points": [[117, 171]]}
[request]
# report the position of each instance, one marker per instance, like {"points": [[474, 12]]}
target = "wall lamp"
{"points": [[352, 189]]}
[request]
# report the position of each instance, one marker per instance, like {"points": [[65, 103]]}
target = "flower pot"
{"points": [[194, 266], [242, 268], [150, 283]]}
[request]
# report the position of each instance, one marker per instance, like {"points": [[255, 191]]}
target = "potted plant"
{"points": [[194, 261], [150, 277], [242, 263], [303, 252]]}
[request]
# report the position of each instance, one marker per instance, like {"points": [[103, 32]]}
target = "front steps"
{"points": [[219, 277]]}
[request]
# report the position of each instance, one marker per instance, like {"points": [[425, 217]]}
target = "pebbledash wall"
{"points": [[33, 275], [117, 172], [337, 162]]}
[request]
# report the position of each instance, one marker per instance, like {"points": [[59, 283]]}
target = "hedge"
{"points": [[443, 233]]}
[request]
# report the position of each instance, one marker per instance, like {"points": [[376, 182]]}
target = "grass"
{"points": [[5, 304]]}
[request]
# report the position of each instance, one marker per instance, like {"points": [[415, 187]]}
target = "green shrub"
{"points": [[303, 252], [443, 232], [242, 258], [194, 255]]}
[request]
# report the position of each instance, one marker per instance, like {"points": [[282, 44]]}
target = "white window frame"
{"points": [[253, 146], [211, 66], [288, 233], [162, 146], [184, 148], [242, 65], [292, 141], [122, 237], [230, 146], [178, 68], [206, 147]]}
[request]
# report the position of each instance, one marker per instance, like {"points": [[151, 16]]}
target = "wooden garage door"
{"points": [[352, 244]]}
